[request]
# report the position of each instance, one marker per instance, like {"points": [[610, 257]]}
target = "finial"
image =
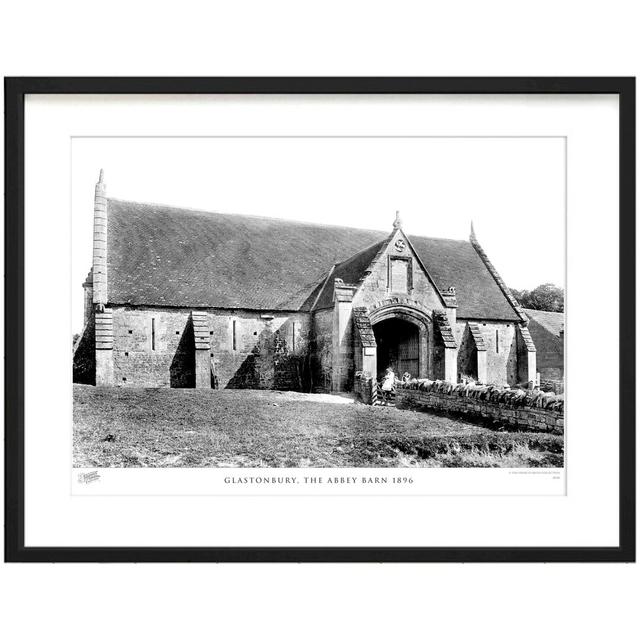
{"points": [[101, 178], [397, 223], [473, 233]]}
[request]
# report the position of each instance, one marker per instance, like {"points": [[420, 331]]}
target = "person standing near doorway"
{"points": [[388, 385]]}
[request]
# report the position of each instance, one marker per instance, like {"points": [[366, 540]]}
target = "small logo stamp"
{"points": [[88, 477]]}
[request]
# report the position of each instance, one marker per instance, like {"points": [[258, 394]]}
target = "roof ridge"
{"points": [[252, 216], [560, 313], [459, 240]]}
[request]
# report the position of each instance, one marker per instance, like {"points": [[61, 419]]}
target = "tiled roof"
{"points": [[350, 271], [363, 326], [446, 333], [526, 337], [456, 263], [552, 321], [546, 329], [164, 256], [478, 338], [160, 255]]}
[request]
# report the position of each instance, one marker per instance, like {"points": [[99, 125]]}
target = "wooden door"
{"points": [[409, 355]]}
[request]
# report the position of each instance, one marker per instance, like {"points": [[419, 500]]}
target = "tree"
{"points": [[545, 297]]}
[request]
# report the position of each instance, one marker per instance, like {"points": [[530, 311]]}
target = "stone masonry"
{"points": [[324, 339], [531, 418]]}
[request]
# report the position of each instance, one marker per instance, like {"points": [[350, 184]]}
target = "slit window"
{"points": [[153, 334], [497, 343], [234, 344], [293, 336]]}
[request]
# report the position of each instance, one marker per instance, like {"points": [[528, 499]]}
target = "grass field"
{"points": [[245, 428]]}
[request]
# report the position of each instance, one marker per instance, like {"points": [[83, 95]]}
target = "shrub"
{"points": [[491, 393]]}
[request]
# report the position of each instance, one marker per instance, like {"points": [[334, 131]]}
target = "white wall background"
{"points": [[335, 38]]}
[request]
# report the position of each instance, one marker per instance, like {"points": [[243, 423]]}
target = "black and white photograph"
{"points": [[349, 301]]}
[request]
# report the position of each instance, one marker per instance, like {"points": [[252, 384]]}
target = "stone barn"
{"points": [[186, 298], [547, 331]]}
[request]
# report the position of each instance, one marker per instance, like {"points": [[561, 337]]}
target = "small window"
{"points": [[177, 333], [130, 330], [126, 353], [124, 379], [210, 333]]}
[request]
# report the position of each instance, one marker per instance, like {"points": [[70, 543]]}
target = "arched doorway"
{"points": [[398, 346]]}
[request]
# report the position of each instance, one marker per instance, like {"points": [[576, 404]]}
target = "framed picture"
{"points": [[320, 319]]}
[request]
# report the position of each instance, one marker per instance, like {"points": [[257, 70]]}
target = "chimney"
{"points": [[100, 244]]}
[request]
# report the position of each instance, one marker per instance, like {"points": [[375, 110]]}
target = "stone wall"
{"points": [[532, 418], [550, 350], [551, 384], [502, 361], [321, 349], [551, 373], [154, 347]]}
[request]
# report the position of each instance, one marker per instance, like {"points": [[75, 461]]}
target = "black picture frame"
{"points": [[15, 91]]}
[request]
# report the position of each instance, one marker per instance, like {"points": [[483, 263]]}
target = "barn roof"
{"points": [[551, 321], [546, 328], [165, 256]]}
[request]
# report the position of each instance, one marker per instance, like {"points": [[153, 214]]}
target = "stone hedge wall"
{"points": [[531, 418]]}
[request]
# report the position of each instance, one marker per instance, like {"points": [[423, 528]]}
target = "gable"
{"points": [[164, 256], [397, 270]]}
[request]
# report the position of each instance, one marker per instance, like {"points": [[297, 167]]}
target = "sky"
{"points": [[512, 188]]}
